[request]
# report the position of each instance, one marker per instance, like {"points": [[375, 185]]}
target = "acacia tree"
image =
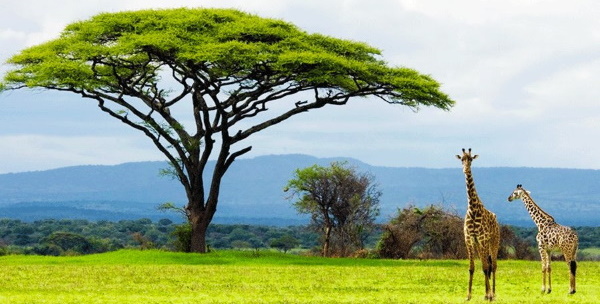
{"points": [[342, 204], [197, 82]]}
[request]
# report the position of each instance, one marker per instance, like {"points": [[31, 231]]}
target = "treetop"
{"points": [[212, 45]]}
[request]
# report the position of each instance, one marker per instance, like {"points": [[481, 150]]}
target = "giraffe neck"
{"points": [[539, 216], [474, 201]]}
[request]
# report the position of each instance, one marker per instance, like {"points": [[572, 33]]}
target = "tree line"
{"points": [[75, 237]]}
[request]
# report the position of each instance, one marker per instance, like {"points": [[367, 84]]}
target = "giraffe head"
{"points": [[518, 193], [466, 158]]}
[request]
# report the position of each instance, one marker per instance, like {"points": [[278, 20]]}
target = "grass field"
{"points": [[130, 276]]}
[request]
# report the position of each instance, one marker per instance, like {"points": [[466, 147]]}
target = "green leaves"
{"points": [[219, 43]]}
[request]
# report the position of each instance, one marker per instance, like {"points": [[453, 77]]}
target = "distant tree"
{"points": [[165, 222], [198, 82], [240, 233], [239, 244], [343, 204], [143, 241], [256, 243], [69, 242], [285, 243]]}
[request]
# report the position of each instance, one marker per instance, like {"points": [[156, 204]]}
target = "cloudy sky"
{"points": [[525, 75]]}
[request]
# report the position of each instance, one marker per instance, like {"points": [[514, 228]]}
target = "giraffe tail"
{"points": [[573, 266]]}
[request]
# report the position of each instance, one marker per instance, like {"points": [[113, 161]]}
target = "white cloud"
{"points": [[482, 12], [523, 73], [9, 34]]}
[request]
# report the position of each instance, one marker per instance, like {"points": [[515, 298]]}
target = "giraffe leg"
{"points": [[545, 266], [570, 254], [471, 271], [487, 269], [573, 271], [494, 266], [543, 279], [549, 270], [471, 268]]}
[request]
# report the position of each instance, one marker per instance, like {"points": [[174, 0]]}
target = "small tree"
{"points": [[285, 243], [342, 203], [198, 82], [143, 241]]}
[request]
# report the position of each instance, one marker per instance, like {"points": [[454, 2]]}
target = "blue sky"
{"points": [[525, 75]]}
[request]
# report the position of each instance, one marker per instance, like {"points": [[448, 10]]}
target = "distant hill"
{"points": [[252, 191]]}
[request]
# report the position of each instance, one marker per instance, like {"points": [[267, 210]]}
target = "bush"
{"points": [[183, 237], [425, 233]]}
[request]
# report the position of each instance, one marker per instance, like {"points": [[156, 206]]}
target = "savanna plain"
{"points": [[132, 276]]}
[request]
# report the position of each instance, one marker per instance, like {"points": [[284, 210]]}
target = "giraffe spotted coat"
{"points": [[550, 236]]}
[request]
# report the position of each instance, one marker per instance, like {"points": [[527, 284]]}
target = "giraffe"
{"points": [[482, 232], [550, 236]]}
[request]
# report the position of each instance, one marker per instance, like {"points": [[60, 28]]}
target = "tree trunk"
{"points": [[199, 217], [198, 237], [201, 213], [326, 242]]}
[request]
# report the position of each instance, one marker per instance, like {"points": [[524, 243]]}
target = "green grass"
{"points": [[130, 276]]}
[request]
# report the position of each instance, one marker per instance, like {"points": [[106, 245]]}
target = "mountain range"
{"points": [[252, 191]]}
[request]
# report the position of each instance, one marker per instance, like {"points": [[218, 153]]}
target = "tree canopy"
{"points": [[188, 78], [342, 203], [217, 48]]}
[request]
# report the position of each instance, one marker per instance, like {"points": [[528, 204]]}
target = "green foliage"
{"points": [[69, 237], [67, 241], [218, 42], [168, 206], [342, 203], [285, 243], [42, 237], [153, 276], [183, 236]]}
